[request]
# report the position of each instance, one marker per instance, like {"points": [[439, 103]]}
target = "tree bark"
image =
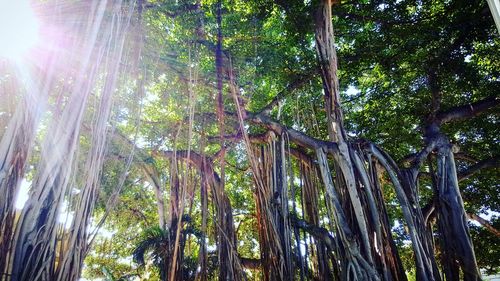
{"points": [[458, 252]]}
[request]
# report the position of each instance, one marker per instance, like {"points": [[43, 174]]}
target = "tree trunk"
{"points": [[458, 252], [15, 148]]}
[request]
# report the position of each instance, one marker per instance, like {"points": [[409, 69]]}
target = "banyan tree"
{"points": [[249, 140]]}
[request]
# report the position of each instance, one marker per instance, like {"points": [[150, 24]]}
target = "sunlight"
{"points": [[18, 29], [22, 195]]}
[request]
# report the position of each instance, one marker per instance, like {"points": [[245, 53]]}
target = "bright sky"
{"points": [[22, 196], [65, 216], [18, 29]]}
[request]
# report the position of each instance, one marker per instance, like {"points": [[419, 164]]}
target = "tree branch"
{"points": [[295, 136], [484, 223], [468, 110], [317, 232], [483, 164], [465, 157]]}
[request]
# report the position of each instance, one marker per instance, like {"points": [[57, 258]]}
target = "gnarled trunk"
{"points": [[458, 252]]}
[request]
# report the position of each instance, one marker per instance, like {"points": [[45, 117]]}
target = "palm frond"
{"points": [[154, 239]]}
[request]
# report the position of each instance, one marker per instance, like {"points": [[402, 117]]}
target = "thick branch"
{"points": [[468, 110], [317, 232], [484, 223], [295, 136], [465, 157], [418, 158], [484, 164], [300, 154]]}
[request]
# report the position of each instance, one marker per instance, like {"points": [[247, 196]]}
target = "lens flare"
{"points": [[18, 29]]}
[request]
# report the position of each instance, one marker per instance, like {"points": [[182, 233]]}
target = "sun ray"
{"points": [[19, 29]]}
